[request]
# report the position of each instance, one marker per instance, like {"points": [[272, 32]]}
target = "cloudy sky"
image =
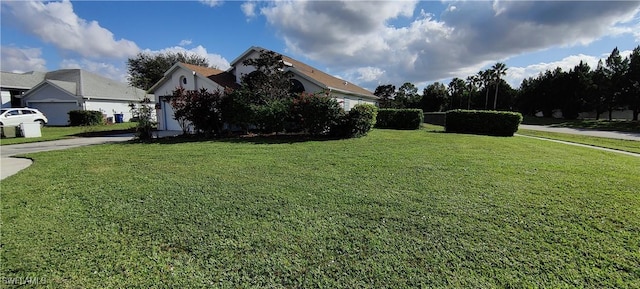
{"points": [[366, 42]]}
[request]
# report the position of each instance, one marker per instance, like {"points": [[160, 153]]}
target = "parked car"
{"points": [[16, 116]]}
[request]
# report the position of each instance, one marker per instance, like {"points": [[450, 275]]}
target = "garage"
{"points": [[56, 112]]}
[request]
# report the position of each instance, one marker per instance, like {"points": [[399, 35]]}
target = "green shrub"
{"points": [[272, 116], [315, 114], [85, 117], [497, 123], [399, 118], [357, 122]]}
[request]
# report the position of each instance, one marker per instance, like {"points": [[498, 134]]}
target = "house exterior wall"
{"points": [[241, 69], [109, 107], [165, 115]]}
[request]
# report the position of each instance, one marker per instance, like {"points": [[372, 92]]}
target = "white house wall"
{"points": [[241, 69], [110, 108], [165, 116]]}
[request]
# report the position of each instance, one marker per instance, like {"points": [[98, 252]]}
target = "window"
{"points": [[346, 104], [183, 81]]}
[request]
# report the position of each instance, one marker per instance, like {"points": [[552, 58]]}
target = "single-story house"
{"points": [[14, 85], [63, 90], [305, 77]]}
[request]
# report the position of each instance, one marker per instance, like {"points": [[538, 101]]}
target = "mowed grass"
{"points": [[395, 209], [617, 144], [63, 132]]}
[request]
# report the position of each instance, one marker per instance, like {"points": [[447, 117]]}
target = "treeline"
{"points": [[613, 85]]}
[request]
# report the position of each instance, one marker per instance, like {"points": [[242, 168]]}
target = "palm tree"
{"points": [[472, 83], [497, 70], [485, 78]]}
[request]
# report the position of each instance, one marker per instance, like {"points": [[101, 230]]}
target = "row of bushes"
{"points": [[207, 113], [495, 123], [85, 117], [399, 118]]}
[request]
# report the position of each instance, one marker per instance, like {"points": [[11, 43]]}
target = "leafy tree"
{"points": [[146, 68], [435, 97], [457, 88], [616, 70], [497, 71], [316, 113], [407, 96], [633, 77], [386, 94], [201, 108]]}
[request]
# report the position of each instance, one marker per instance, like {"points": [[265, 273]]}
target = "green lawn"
{"points": [[395, 209], [617, 144], [62, 132]]}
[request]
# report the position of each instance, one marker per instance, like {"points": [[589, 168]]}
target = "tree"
{"points": [[472, 82], [485, 78], [386, 94], [457, 88], [497, 70], [633, 80], [616, 70], [434, 97], [407, 96], [201, 108], [146, 68]]}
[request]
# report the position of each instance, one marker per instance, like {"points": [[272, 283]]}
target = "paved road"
{"points": [[10, 165], [598, 133]]}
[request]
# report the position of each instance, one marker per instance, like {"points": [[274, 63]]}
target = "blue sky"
{"points": [[366, 42]]}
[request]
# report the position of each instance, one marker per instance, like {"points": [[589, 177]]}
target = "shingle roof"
{"points": [[316, 75], [89, 85], [223, 78], [25, 80]]}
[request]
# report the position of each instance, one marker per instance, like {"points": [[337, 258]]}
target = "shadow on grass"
{"points": [[249, 139], [588, 124]]}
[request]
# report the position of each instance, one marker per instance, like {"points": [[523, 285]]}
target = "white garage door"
{"points": [[56, 112]]}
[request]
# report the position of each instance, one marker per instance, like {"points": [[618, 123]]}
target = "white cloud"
{"points": [[185, 42], [108, 70], [57, 23], [249, 9], [211, 3], [19, 60], [348, 34], [215, 60]]}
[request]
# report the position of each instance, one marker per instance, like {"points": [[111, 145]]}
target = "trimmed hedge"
{"points": [[357, 122], [399, 118], [495, 123], [85, 117]]}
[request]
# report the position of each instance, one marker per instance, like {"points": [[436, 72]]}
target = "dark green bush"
{"points": [[315, 114], [357, 122], [399, 118], [496, 123], [85, 117]]}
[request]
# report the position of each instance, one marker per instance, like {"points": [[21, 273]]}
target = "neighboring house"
{"points": [[61, 91], [305, 78], [14, 85]]}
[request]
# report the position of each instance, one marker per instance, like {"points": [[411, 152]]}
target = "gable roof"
{"points": [[84, 84], [25, 80], [312, 74], [220, 77]]}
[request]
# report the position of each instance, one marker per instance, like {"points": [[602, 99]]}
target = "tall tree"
{"points": [[457, 88], [633, 80], [497, 71], [435, 97], [485, 78], [270, 80], [616, 68], [146, 68], [407, 96], [386, 94], [472, 85]]}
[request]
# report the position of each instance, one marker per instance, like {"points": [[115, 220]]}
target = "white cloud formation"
{"points": [[22, 59], [215, 60], [211, 3], [185, 42], [460, 41], [107, 70], [249, 9], [57, 23], [515, 75]]}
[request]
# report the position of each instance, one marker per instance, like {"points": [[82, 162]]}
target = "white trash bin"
{"points": [[30, 129]]}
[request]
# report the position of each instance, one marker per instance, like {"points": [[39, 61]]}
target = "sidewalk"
{"points": [[10, 165], [597, 133]]}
